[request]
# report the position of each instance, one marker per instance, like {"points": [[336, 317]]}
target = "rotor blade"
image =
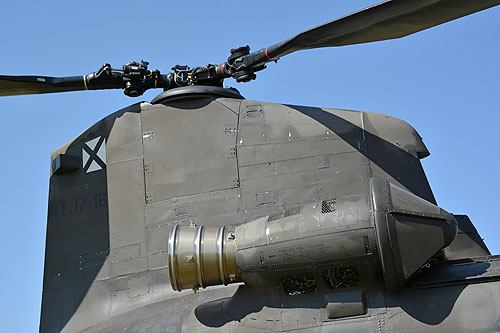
{"points": [[387, 20], [25, 85]]}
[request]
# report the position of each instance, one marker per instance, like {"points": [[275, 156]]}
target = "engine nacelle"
{"points": [[389, 230]]}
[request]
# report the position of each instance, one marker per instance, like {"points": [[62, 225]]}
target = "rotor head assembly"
{"points": [[387, 20]]}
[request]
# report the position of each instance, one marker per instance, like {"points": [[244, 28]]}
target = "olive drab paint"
{"points": [[277, 217], [325, 215]]}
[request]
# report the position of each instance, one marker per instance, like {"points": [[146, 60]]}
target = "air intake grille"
{"points": [[328, 206], [299, 284], [341, 277]]}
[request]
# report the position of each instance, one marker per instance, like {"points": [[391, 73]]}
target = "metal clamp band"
{"points": [[220, 254], [198, 243], [172, 258]]}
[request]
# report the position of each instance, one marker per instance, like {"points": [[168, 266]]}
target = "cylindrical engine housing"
{"points": [[390, 228], [202, 256]]}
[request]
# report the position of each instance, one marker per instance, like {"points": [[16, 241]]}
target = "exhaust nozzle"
{"points": [[201, 257]]}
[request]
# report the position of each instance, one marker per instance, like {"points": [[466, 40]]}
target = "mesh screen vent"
{"points": [[341, 277], [328, 206], [299, 284]]}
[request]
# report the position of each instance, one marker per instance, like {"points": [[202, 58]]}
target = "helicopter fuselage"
{"points": [[216, 159]]}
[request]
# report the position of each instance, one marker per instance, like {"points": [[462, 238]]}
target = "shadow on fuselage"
{"points": [[427, 305], [77, 238], [392, 159], [435, 292]]}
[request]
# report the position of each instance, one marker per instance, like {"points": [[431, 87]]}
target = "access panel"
{"points": [[189, 148]]}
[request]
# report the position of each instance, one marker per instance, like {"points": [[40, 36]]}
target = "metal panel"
{"points": [[345, 304], [467, 243], [189, 151]]}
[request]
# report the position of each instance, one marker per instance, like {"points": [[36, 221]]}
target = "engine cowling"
{"points": [[390, 230]]}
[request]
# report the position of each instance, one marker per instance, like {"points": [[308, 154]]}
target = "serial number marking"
{"points": [[78, 204]]}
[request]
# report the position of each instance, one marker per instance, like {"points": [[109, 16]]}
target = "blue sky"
{"points": [[443, 81]]}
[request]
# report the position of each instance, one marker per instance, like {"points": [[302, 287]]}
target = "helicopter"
{"points": [[200, 293]]}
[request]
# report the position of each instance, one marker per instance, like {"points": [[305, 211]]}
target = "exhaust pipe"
{"points": [[202, 256]]}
